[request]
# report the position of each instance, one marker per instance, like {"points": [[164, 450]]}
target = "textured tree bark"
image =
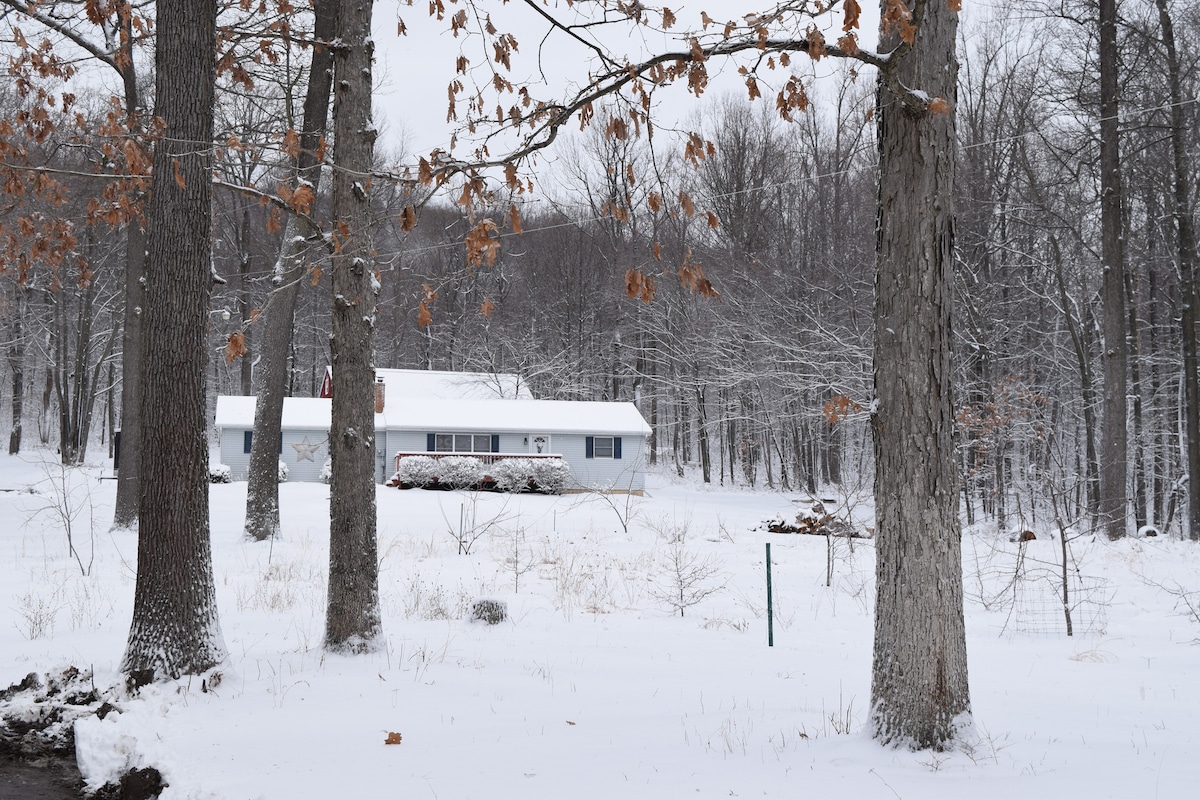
{"points": [[262, 489], [1114, 447], [352, 619], [919, 692], [175, 627]]}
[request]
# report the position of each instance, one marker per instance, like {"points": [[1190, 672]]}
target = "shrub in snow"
{"points": [[220, 473], [416, 471], [466, 472], [327, 471], [283, 472], [551, 475], [459, 472], [493, 612], [512, 474]]}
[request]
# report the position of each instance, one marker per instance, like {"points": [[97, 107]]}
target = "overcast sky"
{"points": [[412, 72]]}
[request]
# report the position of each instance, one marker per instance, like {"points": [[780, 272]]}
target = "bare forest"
{"points": [[723, 274]]}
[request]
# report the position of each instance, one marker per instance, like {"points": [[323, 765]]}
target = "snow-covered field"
{"points": [[595, 687]]}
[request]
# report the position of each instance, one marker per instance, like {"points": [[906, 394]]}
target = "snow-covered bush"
{"points": [[283, 472], [546, 475], [512, 474], [459, 472], [327, 471], [416, 471], [220, 473], [550, 474]]}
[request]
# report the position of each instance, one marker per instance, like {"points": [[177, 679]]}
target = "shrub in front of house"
{"points": [[327, 471], [459, 472], [550, 475], [546, 475], [220, 473], [283, 472], [513, 474], [415, 471]]}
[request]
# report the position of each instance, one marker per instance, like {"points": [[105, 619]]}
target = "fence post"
{"points": [[770, 609]]}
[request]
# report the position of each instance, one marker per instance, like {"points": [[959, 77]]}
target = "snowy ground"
{"points": [[594, 687]]}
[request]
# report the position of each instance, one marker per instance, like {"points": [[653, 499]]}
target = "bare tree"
{"points": [[262, 490], [1182, 215], [352, 617], [106, 34], [1114, 449]]}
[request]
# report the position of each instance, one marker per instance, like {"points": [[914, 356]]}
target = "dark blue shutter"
{"points": [[247, 440], [430, 442], [281, 443], [589, 447], [616, 447], [495, 443]]}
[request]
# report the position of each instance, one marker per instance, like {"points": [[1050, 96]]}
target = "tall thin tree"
{"points": [[1114, 448], [262, 487], [1186, 257], [352, 618]]}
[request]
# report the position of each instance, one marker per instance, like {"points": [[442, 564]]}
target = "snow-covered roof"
{"points": [[299, 413], [525, 416], [422, 383], [433, 414]]}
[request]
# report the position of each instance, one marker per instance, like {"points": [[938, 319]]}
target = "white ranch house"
{"points": [[421, 412]]}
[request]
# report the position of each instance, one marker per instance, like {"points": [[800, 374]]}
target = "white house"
{"points": [[427, 412]]}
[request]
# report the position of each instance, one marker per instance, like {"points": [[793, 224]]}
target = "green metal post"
{"points": [[770, 609]]}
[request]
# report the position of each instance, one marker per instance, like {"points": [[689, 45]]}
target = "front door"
{"points": [[539, 443]]}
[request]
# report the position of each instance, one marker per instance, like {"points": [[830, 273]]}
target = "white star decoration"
{"points": [[306, 449]]}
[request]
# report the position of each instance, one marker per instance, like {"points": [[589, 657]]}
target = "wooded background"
{"points": [[767, 384]]}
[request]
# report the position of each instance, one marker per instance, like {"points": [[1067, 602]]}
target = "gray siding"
{"points": [[230, 442], [304, 463], [624, 474], [627, 473]]}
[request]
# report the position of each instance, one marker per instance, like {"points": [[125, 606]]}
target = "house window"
{"points": [[464, 442], [602, 447], [248, 441]]}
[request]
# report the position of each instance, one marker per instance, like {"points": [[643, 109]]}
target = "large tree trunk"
{"points": [[262, 489], [1114, 448], [919, 692], [175, 628], [352, 619], [1181, 213]]}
